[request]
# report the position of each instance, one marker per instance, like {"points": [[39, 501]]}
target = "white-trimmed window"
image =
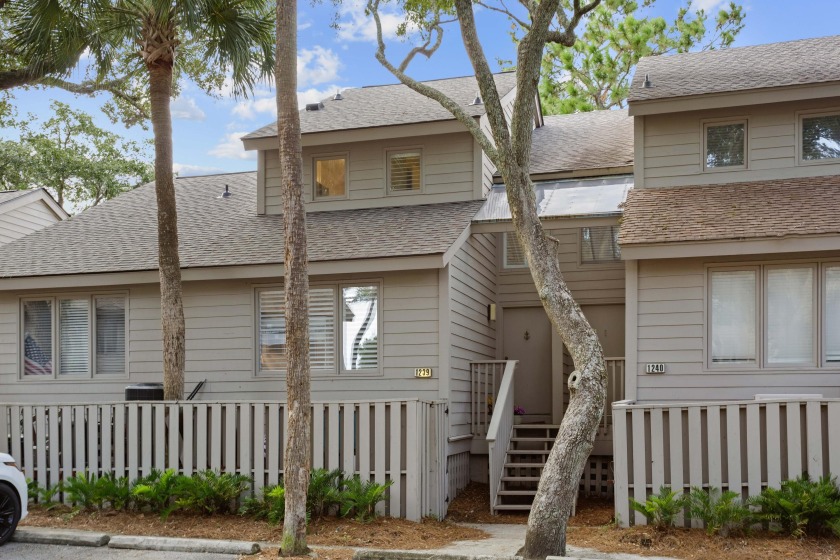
{"points": [[819, 135], [405, 171], [599, 245], [790, 316], [831, 314], [329, 175], [733, 317], [513, 255], [344, 326], [58, 336], [725, 145]]}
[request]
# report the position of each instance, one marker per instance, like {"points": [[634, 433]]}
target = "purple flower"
{"points": [[518, 411]]}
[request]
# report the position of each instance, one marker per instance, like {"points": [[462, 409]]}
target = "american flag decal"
{"points": [[36, 362]]}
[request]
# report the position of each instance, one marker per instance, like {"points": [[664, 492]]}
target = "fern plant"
{"points": [[210, 492], [84, 491], [660, 510], [359, 499], [156, 492], [324, 492], [801, 507], [116, 491], [270, 506], [721, 512]]}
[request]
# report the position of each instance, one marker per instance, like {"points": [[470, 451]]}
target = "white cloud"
{"points": [[187, 109], [187, 170], [707, 5], [356, 25], [317, 66], [230, 147]]}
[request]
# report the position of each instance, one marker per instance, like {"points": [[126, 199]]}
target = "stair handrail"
{"points": [[500, 430]]}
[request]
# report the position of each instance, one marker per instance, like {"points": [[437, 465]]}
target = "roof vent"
{"points": [[314, 106], [227, 194], [338, 96], [477, 100], [647, 83]]}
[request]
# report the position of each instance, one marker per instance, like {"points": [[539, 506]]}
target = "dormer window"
{"points": [[726, 145], [405, 171], [820, 137], [330, 177]]}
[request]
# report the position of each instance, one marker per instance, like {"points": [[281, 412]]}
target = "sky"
{"points": [[207, 130]]}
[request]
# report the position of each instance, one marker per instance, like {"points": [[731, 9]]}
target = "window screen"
{"points": [[725, 145], [514, 254], [599, 244], [832, 314], [360, 327], [790, 315], [821, 137], [74, 336], [110, 335], [404, 171], [733, 317], [330, 177], [37, 337]]}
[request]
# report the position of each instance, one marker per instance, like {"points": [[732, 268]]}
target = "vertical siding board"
{"points": [[93, 439], [774, 445], [396, 455], [55, 444], [146, 439], [245, 440], [79, 434], [714, 448], [622, 497], [259, 447], [229, 453], [131, 429], [119, 440], [105, 426], [695, 453], [639, 460], [318, 436], [794, 440], [66, 443], [657, 451], [201, 443], [334, 442], [379, 456], [160, 436], [188, 437], [813, 424], [274, 444], [675, 434], [41, 446], [733, 450], [216, 437], [15, 432], [173, 435], [834, 438], [364, 441], [412, 458], [349, 433], [753, 450]]}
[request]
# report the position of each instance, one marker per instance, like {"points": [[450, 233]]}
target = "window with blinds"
{"points": [[37, 337], [790, 316], [404, 171], [832, 314], [733, 317], [74, 336], [360, 332], [820, 137], [514, 254], [725, 145], [599, 244], [330, 177], [110, 335]]}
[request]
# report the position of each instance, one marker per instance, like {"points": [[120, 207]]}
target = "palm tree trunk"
{"points": [[297, 458], [171, 301]]}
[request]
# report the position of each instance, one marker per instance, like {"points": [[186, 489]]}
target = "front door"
{"points": [[527, 338]]}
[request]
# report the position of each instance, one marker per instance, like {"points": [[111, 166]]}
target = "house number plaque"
{"points": [[423, 372], [654, 368]]}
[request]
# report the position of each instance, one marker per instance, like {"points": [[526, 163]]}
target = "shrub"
{"points": [[270, 506], [359, 499], [209, 492], [722, 513], [157, 492], [661, 509], [324, 492], [801, 507], [86, 491]]}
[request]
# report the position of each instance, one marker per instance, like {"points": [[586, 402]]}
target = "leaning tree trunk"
{"points": [[297, 457], [171, 301]]}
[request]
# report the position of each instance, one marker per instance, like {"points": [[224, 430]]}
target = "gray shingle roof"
{"points": [[594, 140], [807, 61], [121, 235], [390, 105]]}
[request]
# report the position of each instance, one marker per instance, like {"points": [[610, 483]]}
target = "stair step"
{"points": [[533, 439], [520, 479], [524, 465], [512, 507], [517, 493], [536, 426], [529, 451]]}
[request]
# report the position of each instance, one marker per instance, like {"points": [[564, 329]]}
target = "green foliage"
{"points": [[661, 509], [594, 73], [801, 507], [42, 495], [270, 506], [721, 513], [210, 492], [157, 492], [324, 492], [86, 491], [359, 499]]}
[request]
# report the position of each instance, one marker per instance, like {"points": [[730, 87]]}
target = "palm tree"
{"points": [[162, 39]]}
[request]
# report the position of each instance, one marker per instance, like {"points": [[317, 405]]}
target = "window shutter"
{"points": [[790, 315], [322, 328], [110, 335], [360, 327], [74, 336], [599, 244], [733, 311], [404, 171], [37, 337]]}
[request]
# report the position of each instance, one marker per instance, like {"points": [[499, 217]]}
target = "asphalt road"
{"points": [[21, 551]]}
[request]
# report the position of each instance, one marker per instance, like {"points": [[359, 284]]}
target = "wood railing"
{"points": [[485, 378], [615, 391], [500, 429], [403, 441], [743, 446]]}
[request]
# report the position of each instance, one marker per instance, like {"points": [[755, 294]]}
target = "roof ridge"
{"points": [[435, 80], [711, 52], [213, 175]]}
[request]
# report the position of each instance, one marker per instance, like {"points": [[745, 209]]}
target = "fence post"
{"points": [[622, 497]]}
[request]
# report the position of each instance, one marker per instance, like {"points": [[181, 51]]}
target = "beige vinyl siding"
{"points": [[472, 287], [447, 167], [674, 151], [590, 284], [220, 345], [671, 329], [24, 220]]}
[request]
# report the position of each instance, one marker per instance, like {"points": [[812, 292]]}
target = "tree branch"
{"points": [[566, 36], [504, 10], [90, 87], [427, 49]]}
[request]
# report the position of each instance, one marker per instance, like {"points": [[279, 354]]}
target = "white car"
{"points": [[13, 497]]}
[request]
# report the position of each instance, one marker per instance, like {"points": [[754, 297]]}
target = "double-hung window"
{"points": [[73, 336], [344, 324]]}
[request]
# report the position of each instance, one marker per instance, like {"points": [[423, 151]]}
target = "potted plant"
{"points": [[518, 413]]}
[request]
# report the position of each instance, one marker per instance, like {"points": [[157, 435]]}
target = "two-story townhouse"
{"points": [[732, 249], [419, 290]]}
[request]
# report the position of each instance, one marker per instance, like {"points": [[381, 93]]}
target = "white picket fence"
{"points": [[744, 446], [403, 441]]}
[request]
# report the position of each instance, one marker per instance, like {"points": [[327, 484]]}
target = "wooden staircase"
{"points": [[527, 453]]}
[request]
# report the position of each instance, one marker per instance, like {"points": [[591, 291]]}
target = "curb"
{"points": [[431, 555], [167, 544], [68, 537]]}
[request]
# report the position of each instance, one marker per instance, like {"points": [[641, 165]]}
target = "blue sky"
{"points": [[207, 130]]}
